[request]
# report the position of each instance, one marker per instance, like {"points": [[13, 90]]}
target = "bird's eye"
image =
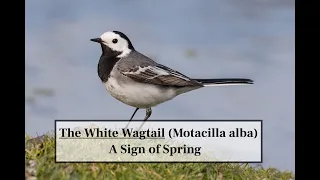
{"points": [[114, 41]]}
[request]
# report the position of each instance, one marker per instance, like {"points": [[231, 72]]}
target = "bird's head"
{"points": [[114, 42]]}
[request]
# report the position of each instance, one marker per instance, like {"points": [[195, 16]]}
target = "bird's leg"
{"points": [[148, 114], [131, 118]]}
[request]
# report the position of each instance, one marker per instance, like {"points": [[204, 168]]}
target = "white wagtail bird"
{"points": [[138, 81]]}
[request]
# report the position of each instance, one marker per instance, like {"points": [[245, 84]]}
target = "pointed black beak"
{"points": [[98, 40]]}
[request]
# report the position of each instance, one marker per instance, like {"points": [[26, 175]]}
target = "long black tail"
{"points": [[228, 81]]}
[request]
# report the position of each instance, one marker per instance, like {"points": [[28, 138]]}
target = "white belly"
{"points": [[138, 94]]}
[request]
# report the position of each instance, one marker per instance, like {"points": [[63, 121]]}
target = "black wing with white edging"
{"points": [[159, 75]]}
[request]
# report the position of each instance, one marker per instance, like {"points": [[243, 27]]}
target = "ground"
{"points": [[40, 164]]}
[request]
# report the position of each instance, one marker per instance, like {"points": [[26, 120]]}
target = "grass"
{"points": [[40, 164]]}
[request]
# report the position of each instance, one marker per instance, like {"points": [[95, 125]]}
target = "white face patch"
{"points": [[121, 45]]}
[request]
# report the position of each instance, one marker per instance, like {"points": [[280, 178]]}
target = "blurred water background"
{"points": [[202, 39]]}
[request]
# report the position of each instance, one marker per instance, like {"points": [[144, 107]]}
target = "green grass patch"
{"points": [[40, 164]]}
